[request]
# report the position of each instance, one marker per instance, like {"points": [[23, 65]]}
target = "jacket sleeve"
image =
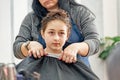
{"points": [[23, 36], [85, 20]]}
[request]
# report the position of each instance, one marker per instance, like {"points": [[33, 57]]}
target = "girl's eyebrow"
{"points": [[62, 30], [54, 29], [51, 29]]}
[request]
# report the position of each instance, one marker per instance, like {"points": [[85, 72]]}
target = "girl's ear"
{"points": [[42, 34]]}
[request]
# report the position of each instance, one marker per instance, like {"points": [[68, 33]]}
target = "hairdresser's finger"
{"points": [[67, 60], [34, 53], [41, 52], [74, 59], [38, 54]]}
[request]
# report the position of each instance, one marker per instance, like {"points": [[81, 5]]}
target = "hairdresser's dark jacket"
{"points": [[81, 16]]}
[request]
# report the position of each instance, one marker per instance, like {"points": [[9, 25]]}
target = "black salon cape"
{"points": [[51, 68]]}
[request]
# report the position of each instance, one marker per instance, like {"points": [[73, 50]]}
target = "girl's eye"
{"points": [[61, 33], [51, 32]]}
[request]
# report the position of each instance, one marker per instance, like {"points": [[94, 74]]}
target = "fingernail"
{"points": [[59, 58]]}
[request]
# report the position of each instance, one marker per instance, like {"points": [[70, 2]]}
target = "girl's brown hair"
{"points": [[56, 15]]}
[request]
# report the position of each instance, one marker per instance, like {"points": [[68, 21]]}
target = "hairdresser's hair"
{"points": [[38, 9], [41, 12]]}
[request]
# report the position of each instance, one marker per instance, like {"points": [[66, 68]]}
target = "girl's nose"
{"points": [[56, 37]]}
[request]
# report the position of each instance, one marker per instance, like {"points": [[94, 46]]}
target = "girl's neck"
{"points": [[53, 51]]}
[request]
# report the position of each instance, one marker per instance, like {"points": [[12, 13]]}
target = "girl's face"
{"points": [[49, 4], [55, 36]]}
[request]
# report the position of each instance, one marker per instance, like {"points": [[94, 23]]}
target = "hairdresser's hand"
{"points": [[36, 49], [70, 54]]}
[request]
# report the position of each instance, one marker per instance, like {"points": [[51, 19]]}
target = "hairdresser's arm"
{"points": [[27, 33], [89, 30], [90, 45], [23, 36]]}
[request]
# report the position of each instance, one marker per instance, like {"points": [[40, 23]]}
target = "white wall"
{"points": [[118, 14], [5, 31], [110, 17]]}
